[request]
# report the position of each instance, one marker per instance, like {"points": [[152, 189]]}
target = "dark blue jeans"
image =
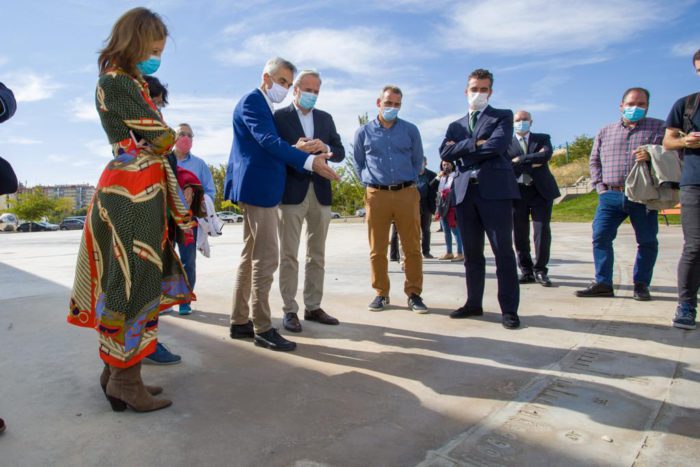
{"points": [[613, 209], [689, 264], [188, 256]]}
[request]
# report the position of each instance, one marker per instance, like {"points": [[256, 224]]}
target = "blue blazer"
{"points": [[496, 176], [290, 129], [542, 178], [256, 169]]}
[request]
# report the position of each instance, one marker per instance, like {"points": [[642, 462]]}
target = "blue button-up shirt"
{"points": [[388, 156], [200, 168]]}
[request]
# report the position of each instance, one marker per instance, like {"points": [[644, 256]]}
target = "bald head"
{"points": [[522, 115]]}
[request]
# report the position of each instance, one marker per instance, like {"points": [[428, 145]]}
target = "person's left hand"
{"points": [[189, 195], [515, 160], [480, 142], [641, 154]]}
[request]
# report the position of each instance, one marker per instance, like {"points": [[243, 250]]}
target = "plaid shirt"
{"points": [[612, 158]]}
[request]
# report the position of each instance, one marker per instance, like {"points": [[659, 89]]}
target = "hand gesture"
{"points": [[320, 166], [641, 154]]}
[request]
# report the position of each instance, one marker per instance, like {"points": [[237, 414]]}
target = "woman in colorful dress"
{"points": [[127, 270]]}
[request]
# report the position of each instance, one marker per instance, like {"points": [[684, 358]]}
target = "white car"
{"points": [[335, 215], [360, 212], [229, 217], [8, 222]]}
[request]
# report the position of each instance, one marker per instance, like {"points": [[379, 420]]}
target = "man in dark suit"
{"points": [[484, 190], [306, 196], [255, 179], [530, 154]]}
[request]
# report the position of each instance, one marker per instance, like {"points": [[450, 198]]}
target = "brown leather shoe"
{"points": [[320, 316], [104, 379], [291, 322]]}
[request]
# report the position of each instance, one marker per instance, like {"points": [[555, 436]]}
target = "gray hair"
{"points": [[276, 63], [304, 73], [188, 126]]}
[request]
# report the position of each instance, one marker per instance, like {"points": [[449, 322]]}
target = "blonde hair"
{"points": [[130, 40]]}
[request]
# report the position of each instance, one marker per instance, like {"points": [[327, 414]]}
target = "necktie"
{"points": [[472, 120], [523, 145]]}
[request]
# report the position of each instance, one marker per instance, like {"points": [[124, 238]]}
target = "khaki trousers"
{"points": [[403, 207], [292, 216], [259, 260]]}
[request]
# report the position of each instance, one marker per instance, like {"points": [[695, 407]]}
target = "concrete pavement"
{"points": [[584, 382]]}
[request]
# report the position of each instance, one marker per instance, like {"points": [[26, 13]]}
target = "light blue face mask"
{"points": [[150, 66], [523, 126], [633, 114], [390, 113], [308, 100]]}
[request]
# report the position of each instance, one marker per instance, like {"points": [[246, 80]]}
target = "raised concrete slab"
{"points": [[584, 382]]}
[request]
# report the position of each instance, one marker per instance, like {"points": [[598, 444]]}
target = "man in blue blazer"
{"points": [[255, 179], [307, 196], [484, 191], [530, 154]]}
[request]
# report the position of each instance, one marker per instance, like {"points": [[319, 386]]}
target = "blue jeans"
{"points": [[613, 209], [448, 236], [188, 256]]}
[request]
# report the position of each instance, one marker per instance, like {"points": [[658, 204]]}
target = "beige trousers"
{"points": [[402, 207], [292, 216], [259, 260]]}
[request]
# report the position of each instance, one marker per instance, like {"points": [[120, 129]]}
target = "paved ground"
{"points": [[584, 382]]}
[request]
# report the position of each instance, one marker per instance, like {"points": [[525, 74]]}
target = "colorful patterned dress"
{"points": [[127, 269]]}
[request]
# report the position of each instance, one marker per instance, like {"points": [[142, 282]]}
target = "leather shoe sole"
{"points": [[585, 293], [510, 321], [642, 297]]}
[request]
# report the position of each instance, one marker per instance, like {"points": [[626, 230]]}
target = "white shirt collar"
{"points": [[525, 137]]}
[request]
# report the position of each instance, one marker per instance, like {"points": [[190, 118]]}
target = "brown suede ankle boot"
{"points": [[104, 379], [125, 388]]}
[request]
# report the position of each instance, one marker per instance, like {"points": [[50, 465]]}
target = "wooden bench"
{"points": [[676, 210]]}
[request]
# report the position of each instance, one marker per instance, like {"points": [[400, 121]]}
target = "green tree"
{"points": [[62, 208], [580, 148], [33, 205], [220, 204], [349, 192]]}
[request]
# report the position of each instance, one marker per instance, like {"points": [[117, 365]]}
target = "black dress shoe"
{"points": [[272, 340], [242, 331], [641, 292], [527, 278], [596, 289], [291, 322], [428, 256], [510, 321], [320, 316], [467, 311], [543, 279]]}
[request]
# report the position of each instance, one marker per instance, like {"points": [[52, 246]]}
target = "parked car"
{"points": [[360, 212], [8, 222], [335, 215], [229, 216], [71, 223], [36, 227]]}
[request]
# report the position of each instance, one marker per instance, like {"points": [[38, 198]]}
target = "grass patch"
{"points": [[579, 209], [582, 209]]}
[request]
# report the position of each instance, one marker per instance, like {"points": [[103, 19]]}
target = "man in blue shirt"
{"points": [[188, 161], [388, 154]]}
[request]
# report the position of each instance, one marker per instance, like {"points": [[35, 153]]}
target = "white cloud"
{"points": [[81, 109], [557, 63], [543, 26], [22, 141], [354, 50], [432, 131], [31, 87], [686, 49]]}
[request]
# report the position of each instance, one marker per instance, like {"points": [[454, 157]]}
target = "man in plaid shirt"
{"points": [[616, 149]]}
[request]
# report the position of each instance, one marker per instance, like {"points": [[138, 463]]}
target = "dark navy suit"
{"points": [[290, 129], [536, 200], [487, 205]]}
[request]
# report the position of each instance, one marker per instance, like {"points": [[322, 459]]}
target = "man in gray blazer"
{"points": [[306, 197]]}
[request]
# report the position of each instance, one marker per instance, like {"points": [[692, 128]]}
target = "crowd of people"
{"points": [[494, 181]]}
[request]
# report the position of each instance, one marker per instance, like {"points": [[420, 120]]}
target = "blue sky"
{"points": [[568, 62]]}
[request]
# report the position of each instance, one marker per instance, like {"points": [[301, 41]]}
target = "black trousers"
{"points": [[426, 218], [689, 264], [532, 205], [477, 217]]}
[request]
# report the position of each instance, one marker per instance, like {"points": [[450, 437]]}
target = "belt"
{"points": [[617, 188], [397, 187]]}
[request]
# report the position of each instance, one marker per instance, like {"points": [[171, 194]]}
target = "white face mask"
{"points": [[478, 100], [277, 93]]}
